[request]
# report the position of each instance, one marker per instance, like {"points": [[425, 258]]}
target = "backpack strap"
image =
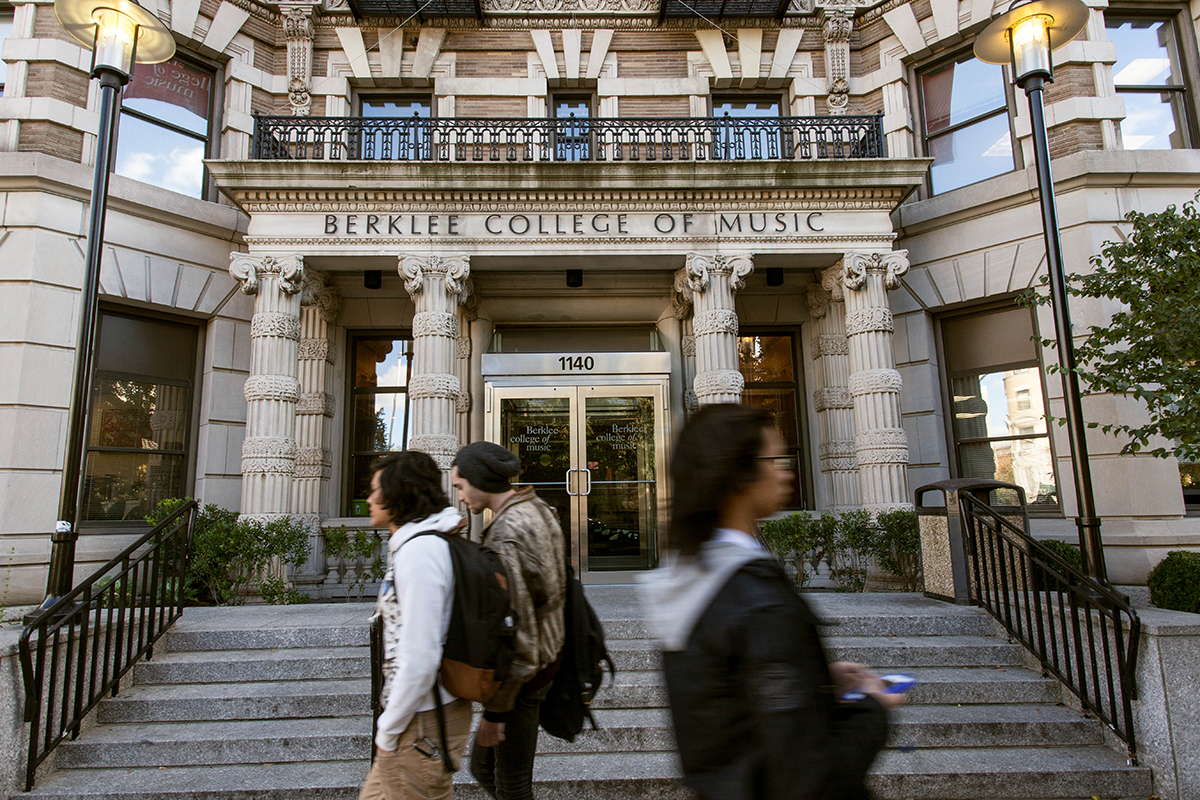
{"points": [[441, 718]]}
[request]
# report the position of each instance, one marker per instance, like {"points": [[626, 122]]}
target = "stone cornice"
{"points": [[258, 186], [560, 20]]}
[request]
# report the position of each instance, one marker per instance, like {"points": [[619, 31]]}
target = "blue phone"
{"points": [[895, 683]]}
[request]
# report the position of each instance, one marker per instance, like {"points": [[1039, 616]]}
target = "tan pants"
{"points": [[409, 774]]}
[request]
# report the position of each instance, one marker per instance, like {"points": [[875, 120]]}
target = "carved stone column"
{"points": [[880, 445], [839, 21], [712, 281], [437, 285], [832, 401], [681, 303], [462, 362], [269, 450], [319, 306], [298, 28]]}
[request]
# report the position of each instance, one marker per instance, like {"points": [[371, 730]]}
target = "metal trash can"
{"points": [[943, 542]]}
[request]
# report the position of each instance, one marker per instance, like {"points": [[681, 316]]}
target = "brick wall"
{"points": [[1074, 137], [653, 65], [1070, 80], [492, 64], [47, 79], [492, 107], [46, 25], [654, 107], [51, 139]]}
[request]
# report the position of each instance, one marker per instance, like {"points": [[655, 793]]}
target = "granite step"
{"points": [[286, 664], [182, 702], [1018, 773]]}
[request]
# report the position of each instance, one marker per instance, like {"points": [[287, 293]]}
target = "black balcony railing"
{"points": [[569, 139], [77, 650], [1083, 633]]}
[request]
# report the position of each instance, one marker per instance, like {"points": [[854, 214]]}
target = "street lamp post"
{"points": [[120, 34], [1024, 37]]}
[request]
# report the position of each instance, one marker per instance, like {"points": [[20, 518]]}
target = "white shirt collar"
{"points": [[741, 538]]}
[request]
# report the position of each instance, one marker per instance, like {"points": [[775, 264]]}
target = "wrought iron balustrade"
{"points": [[567, 139], [77, 650], [1083, 632]]}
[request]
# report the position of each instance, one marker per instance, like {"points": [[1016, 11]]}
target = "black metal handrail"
{"points": [[77, 650], [1083, 632], [569, 139]]}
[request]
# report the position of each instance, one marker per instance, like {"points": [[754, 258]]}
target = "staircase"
{"points": [[273, 702]]}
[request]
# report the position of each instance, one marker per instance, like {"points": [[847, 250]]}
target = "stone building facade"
{"points": [[593, 217]]}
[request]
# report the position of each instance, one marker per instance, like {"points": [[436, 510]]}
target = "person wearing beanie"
{"points": [[524, 530]]}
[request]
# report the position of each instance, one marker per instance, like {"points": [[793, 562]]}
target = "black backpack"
{"points": [[581, 669], [479, 650]]}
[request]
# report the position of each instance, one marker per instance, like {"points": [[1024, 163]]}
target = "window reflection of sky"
{"points": [[992, 386], [390, 410], [971, 154], [1149, 121], [1142, 57], [155, 155], [168, 112], [6, 25]]}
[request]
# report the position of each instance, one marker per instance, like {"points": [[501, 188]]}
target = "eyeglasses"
{"points": [[780, 462]]}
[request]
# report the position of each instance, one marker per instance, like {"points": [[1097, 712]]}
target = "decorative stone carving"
{"points": [[435, 323], [837, 27], [453, 269], [275, 323], [315, 404], [719, 381], [881, 439], [298, 30], [681, 295], [435, 385], [690, 401], [832, 397], [881, 455], [250, 271], [831, 281], [313, 455], [314, 350], [872, 381], [267, 466], [718, 320], [688, 345], [462, 403], [462, 348], [272, 387], [818, 300], [317, 292], [268, 446], [891, 265], [831, 344], [441, 449], [864, 320]]}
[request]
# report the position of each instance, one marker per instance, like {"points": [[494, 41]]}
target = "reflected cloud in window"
{"points": [[1149, 77]]}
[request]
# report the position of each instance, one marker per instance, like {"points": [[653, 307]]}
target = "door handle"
{"points": [[587, 472], [567, 481]]}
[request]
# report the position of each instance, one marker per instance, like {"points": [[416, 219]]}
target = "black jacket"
{"points": [[753, 700]]}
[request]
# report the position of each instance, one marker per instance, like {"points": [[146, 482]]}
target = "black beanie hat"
{"points": [[487, 466]]}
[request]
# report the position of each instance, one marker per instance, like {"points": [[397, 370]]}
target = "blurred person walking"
{"points": [[524, 530], [415, 601], [758, 709]]}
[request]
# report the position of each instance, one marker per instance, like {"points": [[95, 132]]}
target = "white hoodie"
{"points": [[415, 601]]}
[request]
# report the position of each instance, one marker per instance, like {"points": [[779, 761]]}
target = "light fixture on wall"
{"points": [[373, 279], [120, 34], [1024, 37], [774, 276], [574, 278]]}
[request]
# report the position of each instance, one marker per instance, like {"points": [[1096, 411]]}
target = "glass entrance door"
{"points": [[594, 453]]}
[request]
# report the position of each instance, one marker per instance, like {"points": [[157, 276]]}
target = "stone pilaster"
{"points": [[272, 390], [712, 281], [880, 445], [831, 399], [838, 23], [298, 28], [437, 285], [462, 362], [319, 306], [681, 308]]}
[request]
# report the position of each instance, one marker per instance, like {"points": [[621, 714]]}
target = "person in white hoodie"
{"points": [[415, 601]]}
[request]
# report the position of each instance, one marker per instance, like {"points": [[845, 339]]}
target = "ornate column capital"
{"points": [[251, 270], [892, 266], [454, 270], [699, 268], [682, 294], [316, 291]]}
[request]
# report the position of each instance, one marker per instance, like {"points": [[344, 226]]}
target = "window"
{"points": [[966, 124], [379, 418], [999, 411], [1149, 78], [139, 429], [745, 138], [572, 135], [768, 366], [401, 134], [6, 29], [166, 126]]}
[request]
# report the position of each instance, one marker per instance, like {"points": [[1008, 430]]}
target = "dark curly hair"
{"points": [[411, 484], [715, 455]]}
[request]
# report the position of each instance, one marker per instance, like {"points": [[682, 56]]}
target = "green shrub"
{"points": [[791, 539], [1175, 582], [231, 556], [898, 547], [853, 544], [357, 550], [1067, 552]]}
